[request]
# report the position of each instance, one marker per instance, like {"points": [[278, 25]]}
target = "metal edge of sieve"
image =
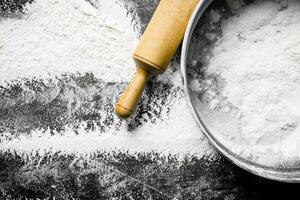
{"points": [[291, 175]]}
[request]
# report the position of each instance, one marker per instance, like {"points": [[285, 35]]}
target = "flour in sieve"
{"points": [[256, 63]]}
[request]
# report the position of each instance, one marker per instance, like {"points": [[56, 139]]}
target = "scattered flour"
{"points": [[61, 36], [258, 59], [58, 36], [170, 136]]}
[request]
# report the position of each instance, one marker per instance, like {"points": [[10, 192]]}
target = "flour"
{"points": [[257, 60], [69, 36], [170, 136]]}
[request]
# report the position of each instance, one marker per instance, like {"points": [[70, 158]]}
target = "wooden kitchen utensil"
{"points": [[156, 49]]}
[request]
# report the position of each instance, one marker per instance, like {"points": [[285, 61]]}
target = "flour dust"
{"points": [[48, 106]]}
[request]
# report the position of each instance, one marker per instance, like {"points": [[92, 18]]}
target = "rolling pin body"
{"points": [[156, 48]]}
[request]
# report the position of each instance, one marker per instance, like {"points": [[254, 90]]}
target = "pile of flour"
{"points": [[257, 60], [54, 37]]}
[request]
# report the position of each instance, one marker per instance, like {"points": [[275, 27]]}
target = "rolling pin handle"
{"points": [[127, 104]]}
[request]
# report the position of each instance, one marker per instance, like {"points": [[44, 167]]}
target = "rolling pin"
{"points": [[156, 49]]}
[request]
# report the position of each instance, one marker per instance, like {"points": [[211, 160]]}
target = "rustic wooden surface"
{"points": [[110, 175]]}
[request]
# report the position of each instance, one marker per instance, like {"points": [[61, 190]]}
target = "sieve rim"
{"points": [[291, 175]]}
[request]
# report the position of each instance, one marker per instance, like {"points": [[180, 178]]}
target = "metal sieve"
{"points": [[284, 174]]}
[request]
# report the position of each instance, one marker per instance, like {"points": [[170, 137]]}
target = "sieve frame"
{"points": [[289, 175]]}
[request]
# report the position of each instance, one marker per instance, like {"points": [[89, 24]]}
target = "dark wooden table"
{"points": [[111, 175]]}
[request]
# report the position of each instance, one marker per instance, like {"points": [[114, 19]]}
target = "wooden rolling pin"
{"points": [[156, 48]]}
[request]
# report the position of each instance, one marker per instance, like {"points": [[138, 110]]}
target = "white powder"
{"points": [[176, 134], [58, 36], [258, 58]]}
